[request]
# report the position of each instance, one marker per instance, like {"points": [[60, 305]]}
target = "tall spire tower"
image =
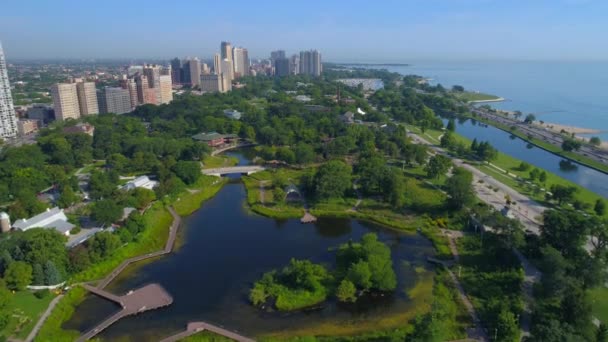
{"points": [[8, 120]]}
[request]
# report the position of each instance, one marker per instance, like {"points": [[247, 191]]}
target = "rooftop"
{"points": [[212, 136], [51, 218]]}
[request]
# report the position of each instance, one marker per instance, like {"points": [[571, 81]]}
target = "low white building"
{"points": [[233, 114], [52, 218], [140, 182]]}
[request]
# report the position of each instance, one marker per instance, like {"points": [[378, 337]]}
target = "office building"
{"points": [[227, 69], [87, 98], [166, 93], [294, 65], [310, 63], [281, 67], [195, 72], [65, 100], [176, 71], [8, 119], [226, 51], [118, 100], [205, 69], [241, 62]]}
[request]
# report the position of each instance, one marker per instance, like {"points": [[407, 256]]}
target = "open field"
{"points": [[24, 310], [470, 96]]}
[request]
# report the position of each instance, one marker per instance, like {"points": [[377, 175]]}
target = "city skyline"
{"points": [[389, 32]]}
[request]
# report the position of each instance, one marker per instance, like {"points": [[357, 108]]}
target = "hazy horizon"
{"points": [[387, 32]]}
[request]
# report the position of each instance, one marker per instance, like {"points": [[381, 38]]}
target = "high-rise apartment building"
{"points": [[8, 119], [211, 83], [294, 65], [310, 63], [195, 72], [118, 100], [226, 51], [281, 67], [87, 98], [227, 69], [176, 71], [166, 93], [217, 64], [131, 86], [205, 69], [145, 94], [274, 55], [152, 72], [241, 62], [65, 99]]}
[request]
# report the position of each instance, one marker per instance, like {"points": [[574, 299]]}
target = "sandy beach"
{"points": [[570, 129]]}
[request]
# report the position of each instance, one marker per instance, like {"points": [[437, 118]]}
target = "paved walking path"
{"points": [[43, 318]]}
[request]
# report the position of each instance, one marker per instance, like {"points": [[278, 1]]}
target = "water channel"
{"points": [[225, 249], [582, 175]]}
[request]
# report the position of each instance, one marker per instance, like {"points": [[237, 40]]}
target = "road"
{"points": [[526, 210]]}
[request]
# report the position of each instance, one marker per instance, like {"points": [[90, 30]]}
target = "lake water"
{"points": [[226, 249], [572, 93]]}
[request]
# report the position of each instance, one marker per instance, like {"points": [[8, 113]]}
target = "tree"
{"points": [[332, 180], [438, 165], [346, 291], [106, 212], [360, 275], [595, 141], [67, 197], [571, 145], [51, 274], [447, 140], [507, 326], [286, 154], [451, 126], [187, 171], [600, 207], [304, 153], [37, 275], [530, 118], [566, 231], [457, 88], [142, 197], [460, 188], [562, 193], [102, 245], [542, 177], [18, 275], [394, 188]]}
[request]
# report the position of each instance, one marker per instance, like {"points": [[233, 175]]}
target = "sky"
{"points": [[396, 31]]}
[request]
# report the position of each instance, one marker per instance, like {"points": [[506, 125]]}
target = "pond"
{"points": [[225, 249]]}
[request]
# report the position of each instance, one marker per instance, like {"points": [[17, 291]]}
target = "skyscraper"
{"points": [[145, 95], [310, 63], [166, 94], [131, 86], [176, 71], [65, 99], [87, 98], [227, 70], [195, 71], [118, 100], [281, 67], [217, 64], [241, 62], [226, 51], [8, 119], [205, 69]]}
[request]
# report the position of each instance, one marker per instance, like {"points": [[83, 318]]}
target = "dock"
{"points": [[149, 297], [308, 218]]}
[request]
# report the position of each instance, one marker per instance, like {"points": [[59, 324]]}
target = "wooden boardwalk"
{"points": [[149, 297], [196, 327]]}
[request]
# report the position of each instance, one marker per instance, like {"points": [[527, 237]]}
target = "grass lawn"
{"points": [[599, 303], [470, 96], [211, 162], [191, 200], [25, 310]]}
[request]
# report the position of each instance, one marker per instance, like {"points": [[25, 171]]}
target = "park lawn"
{"points": [[51, 329], [470, 96], [206, 336], [599, 303], [24, 309], [211, 162], [270, 207], [158, 219], [191, 200]]}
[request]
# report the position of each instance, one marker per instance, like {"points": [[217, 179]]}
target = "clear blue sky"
{"points": [[349, 30]]}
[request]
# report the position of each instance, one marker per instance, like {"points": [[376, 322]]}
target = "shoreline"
{"points": [[499, 99]]}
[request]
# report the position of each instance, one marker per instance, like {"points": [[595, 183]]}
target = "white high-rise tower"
{"points": [[8, 119]]}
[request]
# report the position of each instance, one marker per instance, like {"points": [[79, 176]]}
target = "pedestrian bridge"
{"points": [[243, 170]]}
